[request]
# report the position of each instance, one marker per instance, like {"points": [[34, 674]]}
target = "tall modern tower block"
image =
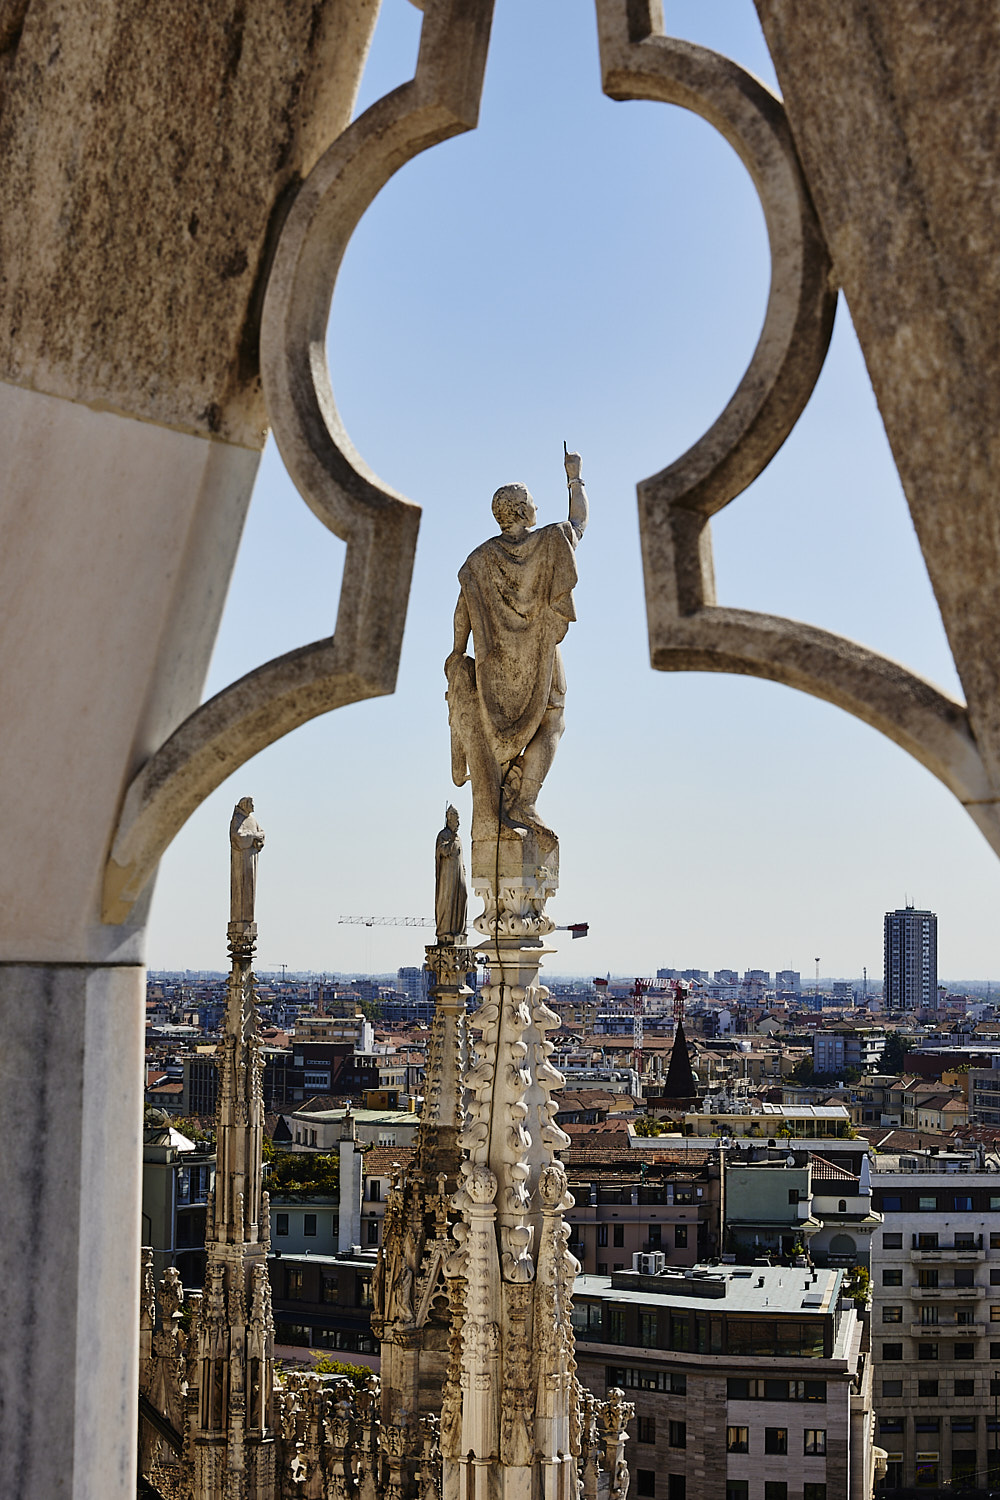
{"points": [[910, 959]]}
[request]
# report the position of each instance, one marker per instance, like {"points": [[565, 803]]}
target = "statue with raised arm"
{"points": [[506, 706], [246, 839], [451, 896]]}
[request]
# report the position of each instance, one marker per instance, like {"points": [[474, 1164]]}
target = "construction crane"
{"points": [[387, 921], [680, 988]]}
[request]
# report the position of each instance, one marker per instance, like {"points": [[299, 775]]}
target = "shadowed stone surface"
{"points": [[146, 150], [898, 132]]}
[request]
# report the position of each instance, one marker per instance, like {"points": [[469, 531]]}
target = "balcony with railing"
{"points": [[967, 1249], [945, 1293]]}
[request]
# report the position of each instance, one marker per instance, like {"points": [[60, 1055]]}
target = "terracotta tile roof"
{"points": [[592, 1158], [378, 1160]]}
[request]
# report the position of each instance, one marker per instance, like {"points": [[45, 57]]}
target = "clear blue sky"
{"points": [[597, 272]]}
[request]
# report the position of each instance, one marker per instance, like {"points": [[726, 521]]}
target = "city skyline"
{"points": [[694, 811]]}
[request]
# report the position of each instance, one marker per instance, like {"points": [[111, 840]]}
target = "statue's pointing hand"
{"points": [[573, 463]]}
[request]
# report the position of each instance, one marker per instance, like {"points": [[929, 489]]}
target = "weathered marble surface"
{"points": [[880, 174], [71, 1073], [451, 895], [506, 705]]}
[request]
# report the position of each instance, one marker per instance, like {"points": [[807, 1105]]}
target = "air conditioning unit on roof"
{"points": [[649, 1263]]}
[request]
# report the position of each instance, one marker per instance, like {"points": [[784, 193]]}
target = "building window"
{"points": [[793, 1195], [814, 1441], [963, 1203], [927, 1474], [775, 1489], [891, 1241], [964, 1277], [995, 1351], [927, 1387], [927, 1205], [373, 1231], [281, 1224], [294, 1285], [927, 1241], [994, 1202], [892, 1315], [645, 1481], [963, 1424], [680, 1236], [891, 1388], [616, 1325], [737, 1440], [619, 1236], [891, 1204], [964, 1388], [965, 1240], [647, 1429], [602, 1234], [737, 1489], [928, 1277], [330, 1288], [775, 1439], [363, 1291], [928, 1313], [842, 1206], [676, 1487], [814, 1492], [994, 1240], [995, 1312], [648, 1329], [677, 1435], [309, 1224], [680, 1333], [965, 1315], [995, 1278], [927, 1424], [965, 1351], [892, 1277], [926, 1351], [892, 1351], [374, 1190], [602, 1268], [890, 1424]]}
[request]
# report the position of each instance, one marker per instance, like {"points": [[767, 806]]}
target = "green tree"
{"points": [[893, 1059], [648, 1125], [299, 1172], [803, 1070]]}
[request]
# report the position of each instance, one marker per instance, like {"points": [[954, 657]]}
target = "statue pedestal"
{"points": [[514, 877]]}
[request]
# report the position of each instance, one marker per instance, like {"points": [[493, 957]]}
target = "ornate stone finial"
{"points": [[506, 706], [451, 896]]}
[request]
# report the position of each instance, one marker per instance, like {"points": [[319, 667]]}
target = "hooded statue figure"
{"points": [[246, 839], [506, 706]]}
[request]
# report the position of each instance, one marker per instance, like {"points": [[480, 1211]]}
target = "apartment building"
{"points": [[936, 1319], [750, 1383], [668, 1201]]}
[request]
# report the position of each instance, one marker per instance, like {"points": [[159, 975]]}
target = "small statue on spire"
{"points": [[246, 839], [451, 896]]}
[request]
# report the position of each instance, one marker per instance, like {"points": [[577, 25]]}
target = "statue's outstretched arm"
{"points": [[579, 509]]}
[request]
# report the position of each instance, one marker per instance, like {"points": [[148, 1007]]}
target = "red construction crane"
{"points": [[639, 1008]]}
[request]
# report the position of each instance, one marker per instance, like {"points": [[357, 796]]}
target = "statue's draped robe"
{"points": [[245, 838], [520, 601], [450, 893]]}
